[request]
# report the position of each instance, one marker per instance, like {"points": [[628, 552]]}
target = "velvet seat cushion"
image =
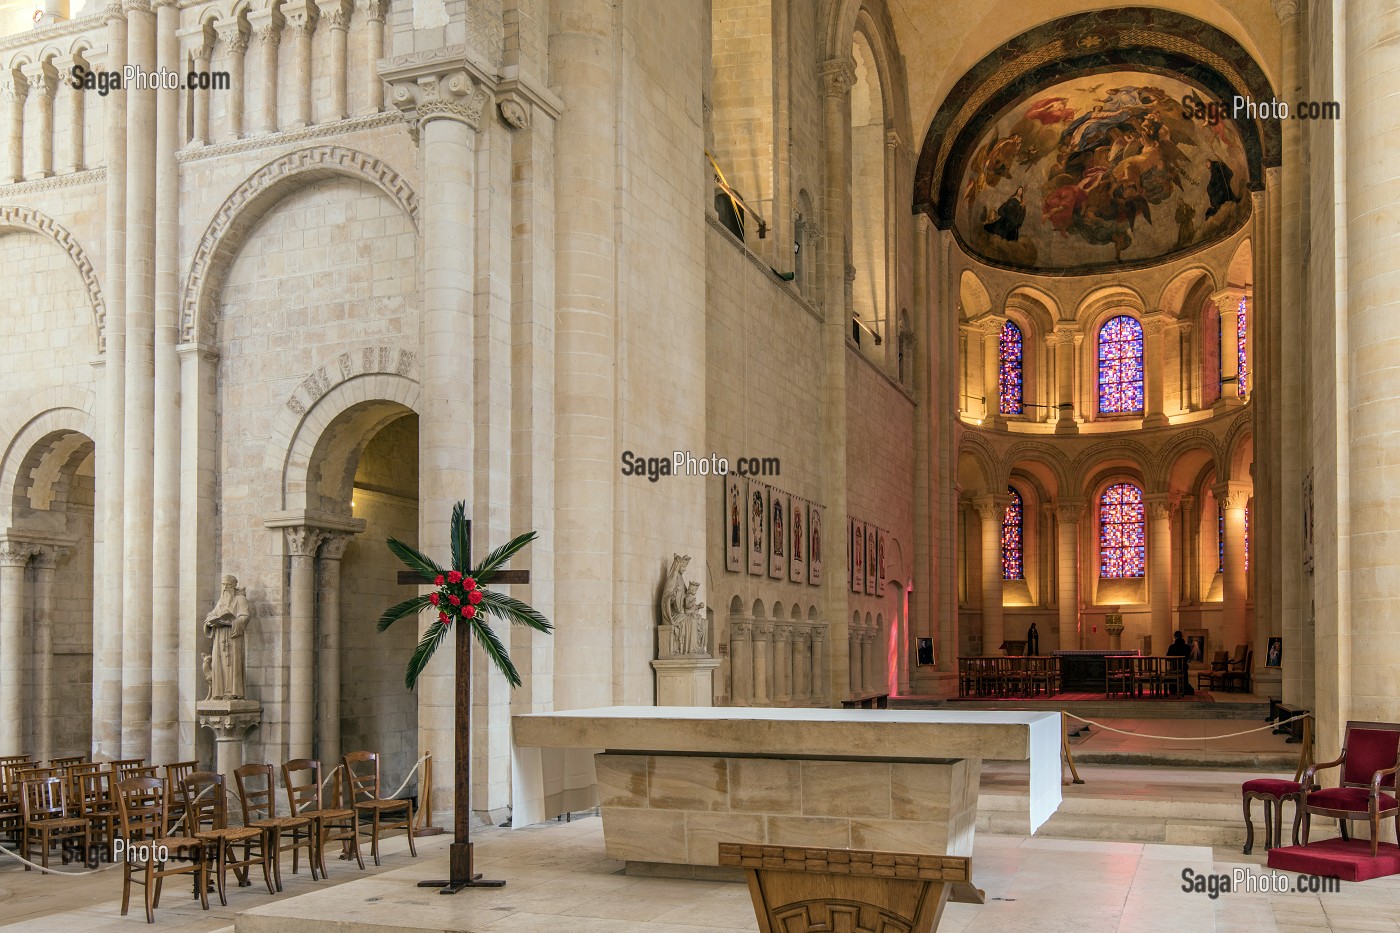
{"points": [[1274, 787], [1347, 798]]}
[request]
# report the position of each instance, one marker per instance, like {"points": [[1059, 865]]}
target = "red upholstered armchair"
{"points": [[1370, 759]]}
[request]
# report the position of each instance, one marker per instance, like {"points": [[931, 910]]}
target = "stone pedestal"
{"points": [[685, 681], [1113, 625], [230, 721]]}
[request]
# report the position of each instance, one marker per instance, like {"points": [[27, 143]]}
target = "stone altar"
{"points": [[675, 782]]}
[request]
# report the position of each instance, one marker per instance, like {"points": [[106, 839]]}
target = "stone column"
{"points": [[838, 76], [1154, 327], [1068, 514], [740, 662], [199, 455], [1233, 497], [992, 510], [47, 714], [138, 478], [871, 667], [374, 11], [1187, 366], [302, 544], [336, 15], [14, 87], [165, 491], [1368, 647], [300, 19], [14, 557], [1159, 555], [762, 664], [802, 666], [782, 664], [1228, 303], [199, 42], [1064, 379], [111, 445], [991, 371], [43, 81], [267, 24], [821, 693], [77, 126], [234, 35], [230, 721], [328, 649]]}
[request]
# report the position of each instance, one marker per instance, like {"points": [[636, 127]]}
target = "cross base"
{"points": [[463, 874]]}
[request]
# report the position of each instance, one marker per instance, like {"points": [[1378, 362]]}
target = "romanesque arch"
{"points": [[14, 217]]}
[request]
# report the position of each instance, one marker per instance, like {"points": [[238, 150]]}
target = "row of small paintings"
{"points": [[771, 532], [869, 545]]}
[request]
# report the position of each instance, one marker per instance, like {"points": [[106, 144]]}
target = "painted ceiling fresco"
{"points": [[1116, 167]]}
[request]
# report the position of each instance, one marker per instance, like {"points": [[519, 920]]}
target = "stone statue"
{"points": [[226, 625], [684, 627]]}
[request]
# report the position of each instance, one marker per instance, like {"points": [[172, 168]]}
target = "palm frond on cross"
{"points": [[461, 598]]}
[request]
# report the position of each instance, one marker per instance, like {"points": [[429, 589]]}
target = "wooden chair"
{"points": [[1238, 677], [362, 777], [206, 809], [95, 802], [1145, 676], [329, 824], [175, 774], [44, 809], [141, 809], [11, 821], [1118, 675], [66, 761], [1172, 676], [256, 787], [1218, 665], [1370, 760], [132, 767]]}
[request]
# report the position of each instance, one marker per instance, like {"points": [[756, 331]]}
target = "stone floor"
{"points": [[560, 879]]}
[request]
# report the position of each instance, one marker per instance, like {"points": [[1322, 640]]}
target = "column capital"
{"points": [[838, 76], [784, 632], [763, 628], [374, 10], [818, 634], [1160, 505], [299, 17], [1154, 323], [336, 13], [1070, 511], [992, 505], [1227, 300], [441, 93], [1068, 330], [1285, 9], [740, 627], [991, 324], [267, 24], [136, 6], [14, 86], [16, 553], [233, 33], [334, 543], [1232, 494], [49, 555], [198, 41], [41, 77]]}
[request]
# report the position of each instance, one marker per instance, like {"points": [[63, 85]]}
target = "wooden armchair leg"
{"points": [[1248, 828], [1297, 817], [1268, 825], [1346, 831], [1375, 833]]}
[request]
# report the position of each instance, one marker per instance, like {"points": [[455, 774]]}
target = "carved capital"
{"points": [[1069, 511], [991, 507], [16, 553], [198, 41], [739, 629], [299, 18], [374, 10], [1285, 9], [1232, 495], [50, 555], [13, 87], [450, 95], [1160, 505], [1154, 325], [41, 77], [838, 76], [233, 33], [334, 545], [136, 6], [335, 13], [230, 725], [763, 630], [267, 25], [303, 540], [991, 325]]}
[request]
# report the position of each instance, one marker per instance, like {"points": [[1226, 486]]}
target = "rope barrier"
{"points": [[1186, 738], [54, 871]]}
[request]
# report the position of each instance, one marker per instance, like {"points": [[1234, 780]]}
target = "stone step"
{"points": [[1169, 830], [1119, 807]]}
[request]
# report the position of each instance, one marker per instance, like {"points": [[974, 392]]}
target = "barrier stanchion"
{"points": [[425, 802]]}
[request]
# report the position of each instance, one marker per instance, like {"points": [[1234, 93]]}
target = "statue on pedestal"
{"points": [[684, 627], [226, 625]]}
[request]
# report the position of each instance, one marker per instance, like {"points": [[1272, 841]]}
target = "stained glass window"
{"points": [[1241, 337], [1120, 365], [1011, 566], [1122, 548], [1010, 378]]}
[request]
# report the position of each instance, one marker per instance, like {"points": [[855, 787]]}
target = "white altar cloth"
{"points": [[540, 773]]}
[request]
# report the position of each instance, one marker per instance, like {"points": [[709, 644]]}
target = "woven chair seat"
{"points": [[382, 804], [173, 843], [60, 822], [230, 834], [282, 822], [328, 814]]}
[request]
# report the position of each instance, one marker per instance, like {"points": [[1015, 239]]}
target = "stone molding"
{"points": [[239, 212], [27, 218], [838, 76], [16, 553], [349, 125]]}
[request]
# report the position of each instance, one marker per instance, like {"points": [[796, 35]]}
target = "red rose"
{"points": [[442, 617], [454, 577], [454, 599], [433, 598], [468, 583], [437, 581], [468, 611], [474, 597]]}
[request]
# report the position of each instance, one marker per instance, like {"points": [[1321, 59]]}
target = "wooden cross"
{"points": [[461, 872]]}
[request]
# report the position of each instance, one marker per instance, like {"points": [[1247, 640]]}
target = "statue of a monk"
{"points": [[225, 625]]}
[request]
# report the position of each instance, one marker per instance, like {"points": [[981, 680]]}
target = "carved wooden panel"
{"points": [[796, 889]]}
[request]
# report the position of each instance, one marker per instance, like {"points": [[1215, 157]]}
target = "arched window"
{"points": [[1120, 365], [1012, 567], [1241, 340], [1122, 551], [1010, 370]]}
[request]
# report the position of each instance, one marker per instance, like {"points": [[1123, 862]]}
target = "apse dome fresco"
{"points": [[1123, 167]]}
